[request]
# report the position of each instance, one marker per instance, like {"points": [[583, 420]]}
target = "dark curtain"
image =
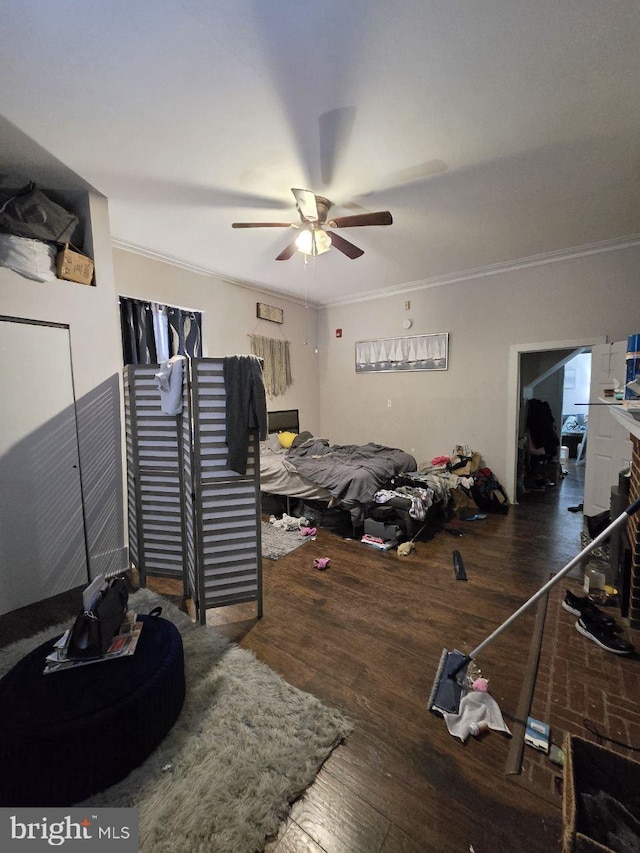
{"points": [[185, 332], [138, 339]]}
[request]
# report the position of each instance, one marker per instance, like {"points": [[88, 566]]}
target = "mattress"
{"points": [[278, 479]]}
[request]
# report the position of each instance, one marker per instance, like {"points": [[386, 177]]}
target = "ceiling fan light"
{"points": [[304, 242], [313, 242], [323, 241]]}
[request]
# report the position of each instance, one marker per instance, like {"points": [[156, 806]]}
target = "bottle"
{"points": [[476, 729], [594, 583]]}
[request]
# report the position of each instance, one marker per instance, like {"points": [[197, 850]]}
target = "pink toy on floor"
{"points": [[321, 563], [308, 531]]}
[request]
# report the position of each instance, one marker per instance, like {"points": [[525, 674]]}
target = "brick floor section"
{"points": [[578, 685]]}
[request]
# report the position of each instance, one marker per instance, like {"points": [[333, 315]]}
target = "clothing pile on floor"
{"points": [[459, 477]]}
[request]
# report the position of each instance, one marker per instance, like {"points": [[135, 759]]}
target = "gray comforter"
{"points": [[351, 473]]}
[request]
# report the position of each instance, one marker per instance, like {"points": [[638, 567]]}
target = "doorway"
{"points": [[536, 366], [575, 414]]}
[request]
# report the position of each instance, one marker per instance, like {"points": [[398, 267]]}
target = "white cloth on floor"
{"points": [[169, 382], [288, 522], [475, 707]]}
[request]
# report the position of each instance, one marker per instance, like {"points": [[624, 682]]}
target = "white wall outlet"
{"points": [[388, 404]]}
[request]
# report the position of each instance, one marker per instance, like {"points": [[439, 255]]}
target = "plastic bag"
{"points": [[32, 259], [30, 213]]}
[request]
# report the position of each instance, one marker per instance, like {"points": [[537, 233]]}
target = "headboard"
{"points": [[287, 419]]}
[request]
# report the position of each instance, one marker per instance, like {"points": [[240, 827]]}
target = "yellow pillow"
{"points": [[286, 439]]}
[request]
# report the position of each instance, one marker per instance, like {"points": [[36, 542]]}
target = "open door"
{"points": [[608, 442]]}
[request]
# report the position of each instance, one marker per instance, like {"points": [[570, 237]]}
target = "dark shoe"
{"points": [[605, 637], [586, 608]]}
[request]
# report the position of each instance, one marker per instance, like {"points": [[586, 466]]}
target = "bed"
{"points": [[344, 476]]}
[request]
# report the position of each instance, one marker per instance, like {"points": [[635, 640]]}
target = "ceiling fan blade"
{"points": [[335, 128], [409, 176], [287, 253], [261, 225], [345, 246], [307, 205], [382, 217]]}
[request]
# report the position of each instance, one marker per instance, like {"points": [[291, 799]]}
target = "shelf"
{"points": [[628, 418]]}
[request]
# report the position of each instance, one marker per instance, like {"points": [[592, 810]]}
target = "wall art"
{"points": [[415, 352], [269, 312]]}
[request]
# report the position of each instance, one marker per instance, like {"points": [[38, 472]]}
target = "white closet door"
{"points": [[42, 536], [608, 443]]}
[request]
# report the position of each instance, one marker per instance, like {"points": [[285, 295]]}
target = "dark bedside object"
{"points": [[70, 734]]}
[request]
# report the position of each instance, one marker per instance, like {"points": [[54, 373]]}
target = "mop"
{"points": [[449, 685]]}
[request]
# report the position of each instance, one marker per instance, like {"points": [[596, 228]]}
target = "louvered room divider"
{"points": [[190, 515]]}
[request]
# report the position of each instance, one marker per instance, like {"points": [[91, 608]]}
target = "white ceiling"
{"points": [[493, 130]]}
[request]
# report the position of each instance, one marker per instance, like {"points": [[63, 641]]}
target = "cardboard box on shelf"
{"points": [[72, 266]]}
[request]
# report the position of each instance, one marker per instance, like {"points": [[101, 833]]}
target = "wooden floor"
{"points": [[367, 635]]}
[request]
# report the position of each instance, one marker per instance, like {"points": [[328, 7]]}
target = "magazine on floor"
{"points": [[123, 645]]}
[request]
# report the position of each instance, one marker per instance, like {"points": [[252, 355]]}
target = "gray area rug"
{"points": [[277, 542], [245, 746]]}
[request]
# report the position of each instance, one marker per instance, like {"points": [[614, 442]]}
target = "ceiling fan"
{"points": [[313, 239]]}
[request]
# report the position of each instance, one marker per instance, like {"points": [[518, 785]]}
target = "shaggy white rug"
{"points": [[245, 746]]}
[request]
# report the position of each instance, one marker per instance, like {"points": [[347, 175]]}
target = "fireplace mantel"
{"points": [[629, 420]]}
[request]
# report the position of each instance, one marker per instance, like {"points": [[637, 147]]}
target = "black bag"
{"points": [[487, 492], [30, 213], [94, 629]]}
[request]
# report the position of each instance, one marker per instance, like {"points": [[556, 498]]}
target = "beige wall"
{"points": [[91, 313], [431, 412], [229, 315]]}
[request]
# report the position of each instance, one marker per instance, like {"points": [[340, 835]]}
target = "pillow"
{"points": [[273, 443], [301, 438], [286, 439]]}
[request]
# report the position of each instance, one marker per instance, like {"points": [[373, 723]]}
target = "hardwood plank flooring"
{"points": [[366, 635]]}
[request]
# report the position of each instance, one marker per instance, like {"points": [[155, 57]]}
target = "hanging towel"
{"points": [[475, 707], [246, 407], [169, 382]]}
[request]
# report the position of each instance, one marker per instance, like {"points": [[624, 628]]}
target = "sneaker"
{"points": [[585, 607], [604, 636]]}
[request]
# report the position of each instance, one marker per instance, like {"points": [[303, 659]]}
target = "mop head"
{"points": [[448, 689]]}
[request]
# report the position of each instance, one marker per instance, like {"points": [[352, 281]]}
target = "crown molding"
{"points": [[153, 255], [613, 245], [557, 256]]}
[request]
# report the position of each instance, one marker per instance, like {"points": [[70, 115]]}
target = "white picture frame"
{"points": [[412, 352]]}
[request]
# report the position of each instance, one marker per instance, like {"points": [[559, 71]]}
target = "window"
{"points": [[153, 333]]}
